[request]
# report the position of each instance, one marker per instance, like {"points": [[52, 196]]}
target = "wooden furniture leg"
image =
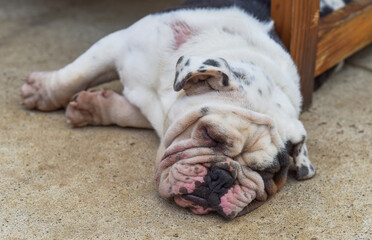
{"points": [[296, 22]]}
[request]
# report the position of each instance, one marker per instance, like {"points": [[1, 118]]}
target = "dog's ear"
{"points": [[198, 75]]}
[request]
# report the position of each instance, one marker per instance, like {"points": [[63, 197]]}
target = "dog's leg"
{"points": [[303, 167], [52, 90], [104, 108]]}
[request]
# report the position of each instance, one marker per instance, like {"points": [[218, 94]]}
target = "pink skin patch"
{"points": [[236, 199], [181, 32], [180, 178], [184, 177]]}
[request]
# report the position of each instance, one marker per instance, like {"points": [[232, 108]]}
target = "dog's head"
{"points": [[219, 157]]}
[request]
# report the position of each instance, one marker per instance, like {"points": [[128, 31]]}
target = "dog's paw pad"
{"points": [[34, 92], [85, 108]]}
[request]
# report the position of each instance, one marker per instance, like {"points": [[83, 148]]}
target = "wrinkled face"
{"points": [[219, 156], [227, 161]]}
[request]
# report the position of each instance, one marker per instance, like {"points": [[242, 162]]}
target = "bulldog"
{"points": [[214, 81]]}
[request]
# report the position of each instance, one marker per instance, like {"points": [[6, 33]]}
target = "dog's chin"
{"points": [[229, 205], [196, 204]]}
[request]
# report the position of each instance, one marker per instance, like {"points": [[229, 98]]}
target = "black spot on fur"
{"points": [[187, 62], [204, 110], [212, 62], [202, 70], [302, 171], [226, 64], [224, 29], [180, 60], [324, 11], [289, 147], [183, 190], [179, 85], [246, 82], [283, 158], [239, 75], [296, 147], [188, 75], [260, 91], [225, 80]]}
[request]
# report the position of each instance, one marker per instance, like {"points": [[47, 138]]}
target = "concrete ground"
{"points": [[98, 182]]}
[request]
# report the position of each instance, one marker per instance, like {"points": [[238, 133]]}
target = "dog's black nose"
{"points": [[208, 194], [219, 180]]}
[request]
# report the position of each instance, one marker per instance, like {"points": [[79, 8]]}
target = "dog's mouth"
{"points": [[206, 182], [198, 200]]}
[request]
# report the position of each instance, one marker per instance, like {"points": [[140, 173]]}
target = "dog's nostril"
{"points": [[219, 180]]}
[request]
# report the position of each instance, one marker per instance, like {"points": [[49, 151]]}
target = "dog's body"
{"points": [[216, 85]]}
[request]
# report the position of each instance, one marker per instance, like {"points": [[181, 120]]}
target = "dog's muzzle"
{"points": [[209, 193], [223, 162]]}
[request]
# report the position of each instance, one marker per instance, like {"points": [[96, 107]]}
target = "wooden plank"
{"points": [[343, 33], [303, 44], [296, 22], [281, 13]]}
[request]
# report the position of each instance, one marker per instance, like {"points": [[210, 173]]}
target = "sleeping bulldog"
{"points": [[218, 87]]}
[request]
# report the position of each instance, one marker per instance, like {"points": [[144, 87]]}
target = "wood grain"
{"points": [[296, 22], [343, 33], [303, 44], [281, 13]]}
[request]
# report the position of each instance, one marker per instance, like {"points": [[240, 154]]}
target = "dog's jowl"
{"points": [[220, 90]]}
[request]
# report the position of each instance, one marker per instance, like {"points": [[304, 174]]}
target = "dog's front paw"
{"points": [[304, 168], [34, 92], [305, 171], [86, 108]]}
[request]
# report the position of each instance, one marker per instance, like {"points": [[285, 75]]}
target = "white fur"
{"points": [[147, 69], [145, 58], [333, 4]]}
